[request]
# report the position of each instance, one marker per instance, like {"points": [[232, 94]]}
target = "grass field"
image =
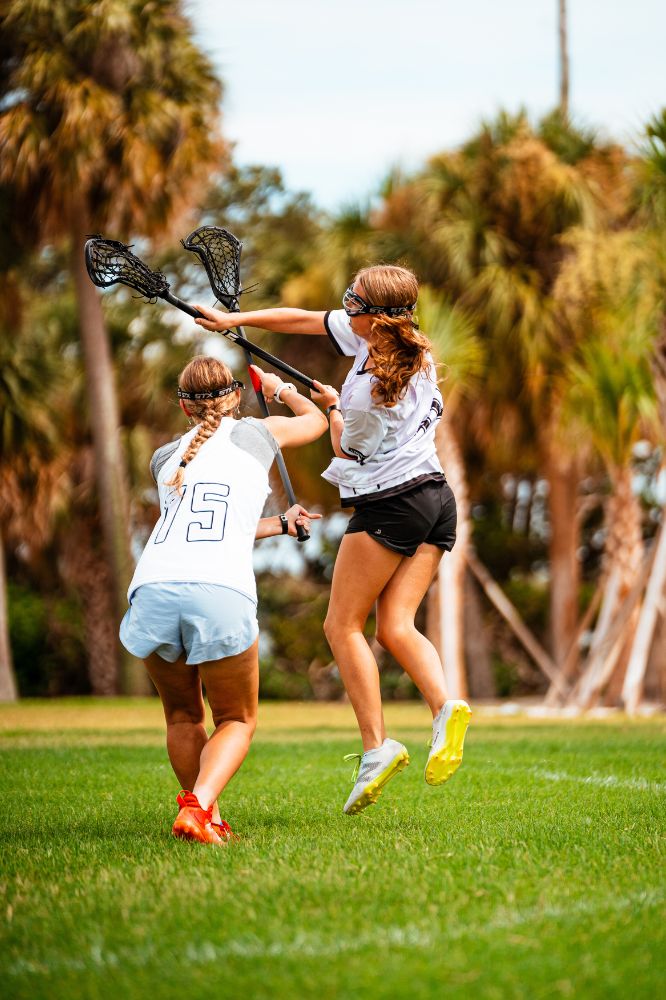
{"points": [[538, 871]]}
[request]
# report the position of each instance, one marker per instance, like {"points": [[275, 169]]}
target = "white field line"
{"points": [[311, 945], [602, 780]]}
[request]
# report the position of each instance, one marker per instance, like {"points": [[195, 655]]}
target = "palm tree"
{"points": [[611, 395], [651, 191], [607, 291], [109, 120], [496, 213], [564, 58], [34, 469]]}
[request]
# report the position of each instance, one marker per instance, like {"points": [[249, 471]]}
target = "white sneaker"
{"points": [[374, 769], [448, 737]]}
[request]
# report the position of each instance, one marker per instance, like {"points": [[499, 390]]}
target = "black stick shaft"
{"points": [[301, 533], [247, 345]]}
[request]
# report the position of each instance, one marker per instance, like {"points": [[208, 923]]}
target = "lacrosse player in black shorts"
{"points": [[386, 467]]}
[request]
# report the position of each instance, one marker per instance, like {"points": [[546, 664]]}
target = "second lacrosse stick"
{"points": [[219, 251]]}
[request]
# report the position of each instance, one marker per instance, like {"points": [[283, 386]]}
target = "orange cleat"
{"points": [[224, 831], [193, 822]]}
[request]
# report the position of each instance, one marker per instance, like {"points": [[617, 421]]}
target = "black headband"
{"points": [[211, 393]]}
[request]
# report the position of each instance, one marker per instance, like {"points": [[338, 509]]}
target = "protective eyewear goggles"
{"points": [[354, 305], [211, 393]]}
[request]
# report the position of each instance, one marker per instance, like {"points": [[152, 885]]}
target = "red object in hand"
{"points": [[256, 381]]}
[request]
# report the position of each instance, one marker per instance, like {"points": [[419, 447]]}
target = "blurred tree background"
{"points": [[541, 251]]}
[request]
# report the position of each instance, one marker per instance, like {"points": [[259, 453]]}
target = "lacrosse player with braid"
{"points": [[192, 616], [382, 427]]}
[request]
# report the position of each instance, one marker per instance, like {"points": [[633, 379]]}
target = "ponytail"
{"points": [[398, 352], [203, 375]]}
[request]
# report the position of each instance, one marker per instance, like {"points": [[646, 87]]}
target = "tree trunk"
{"points": [[626, 549], [477, 648], [564, 59], [451, 575], [8, 688], [626, 574], [655, 675], [109, 459], [570, 666], [501, 602], [599, 668], [606, 619], [640, 651], [562, 476], [85, 569]]}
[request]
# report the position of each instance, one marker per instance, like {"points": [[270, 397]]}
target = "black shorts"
{"points": [[426, 513]]}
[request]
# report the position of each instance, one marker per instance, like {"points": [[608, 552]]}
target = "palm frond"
{"points": [[455, 341]]}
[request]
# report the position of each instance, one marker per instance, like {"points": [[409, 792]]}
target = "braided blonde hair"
{"points": [[395, 345], [204, 374]]}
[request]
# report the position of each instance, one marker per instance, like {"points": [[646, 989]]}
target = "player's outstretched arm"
{"points": [[279, 320]]}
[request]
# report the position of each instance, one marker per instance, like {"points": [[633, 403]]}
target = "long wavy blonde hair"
{"points": [[395, 345], [204, 374]]}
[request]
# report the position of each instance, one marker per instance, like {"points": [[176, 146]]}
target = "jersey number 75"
{"points": [[207, 501]]}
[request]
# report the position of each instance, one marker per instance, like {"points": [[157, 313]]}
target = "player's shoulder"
{"points": [[253, 436], [162, 455]]}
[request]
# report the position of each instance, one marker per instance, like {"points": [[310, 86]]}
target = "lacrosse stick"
{"points": [[110, 262], [219, 251]]}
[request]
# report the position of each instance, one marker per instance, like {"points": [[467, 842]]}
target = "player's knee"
{"points": [[337, 629], [194, 715], [330, 628], [245, 719], [392, 634], [250, 723]]}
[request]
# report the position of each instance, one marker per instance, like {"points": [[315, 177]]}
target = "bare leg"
{"points": [[362, 570], [203, 765], [396, 632], [179, 688], [232, 686]]}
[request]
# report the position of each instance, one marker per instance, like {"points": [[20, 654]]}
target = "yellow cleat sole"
{"points": [[443, 764], [372, 791]]}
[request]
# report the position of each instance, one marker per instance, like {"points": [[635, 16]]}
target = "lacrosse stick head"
{"points": [[110, 262], [219, 251]]}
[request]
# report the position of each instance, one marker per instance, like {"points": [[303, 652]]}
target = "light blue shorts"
{"points": [[201, 620]]}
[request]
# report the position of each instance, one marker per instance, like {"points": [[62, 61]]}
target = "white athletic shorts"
{"points": [[204, 621]]}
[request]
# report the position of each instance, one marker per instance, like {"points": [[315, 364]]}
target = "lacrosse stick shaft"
{"points": [[301, 533], [239, 339]]}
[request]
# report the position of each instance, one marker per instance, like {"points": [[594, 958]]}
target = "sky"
{"points": [[338, 92]]}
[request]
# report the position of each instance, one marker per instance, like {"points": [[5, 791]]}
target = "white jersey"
{"points": [[391, 445], [206, 535]]}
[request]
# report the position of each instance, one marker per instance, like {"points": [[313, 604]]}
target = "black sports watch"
{"points": [[284, 521], [333, 406]]}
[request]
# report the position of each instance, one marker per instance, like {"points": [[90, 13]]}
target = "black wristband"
{"points": [[333, 406], [284, 521]]}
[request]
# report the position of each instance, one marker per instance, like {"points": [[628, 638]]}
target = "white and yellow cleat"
{"points": [[448, 737], [374, 769]]}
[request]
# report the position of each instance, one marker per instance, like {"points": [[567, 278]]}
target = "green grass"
{"points": [[536, 872]]}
